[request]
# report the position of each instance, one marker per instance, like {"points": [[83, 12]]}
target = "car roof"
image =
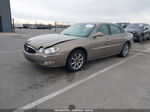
{"points": [[140, 23], [97, 23], [123, 23]]}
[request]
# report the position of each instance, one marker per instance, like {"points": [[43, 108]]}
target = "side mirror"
{"points": [[146, 29], [98, 34]]}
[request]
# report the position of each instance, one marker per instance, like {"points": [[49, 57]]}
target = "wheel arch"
{"points": [[79, 48], [128, 43]]}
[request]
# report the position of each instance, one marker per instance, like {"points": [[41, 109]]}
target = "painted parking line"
{"points": [[58, 92], [6, 52]]}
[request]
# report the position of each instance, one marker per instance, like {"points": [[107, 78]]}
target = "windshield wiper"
{"points": [[66, 34]]}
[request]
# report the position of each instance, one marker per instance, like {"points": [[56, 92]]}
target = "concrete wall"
{"points": [[5, 14]]}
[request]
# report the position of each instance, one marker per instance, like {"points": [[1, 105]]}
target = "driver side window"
{"points": [[148, 26], [104, 29]]}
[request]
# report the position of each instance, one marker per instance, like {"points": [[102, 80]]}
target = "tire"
{"points": [[125, 50], [141, 39], [76, 61]]}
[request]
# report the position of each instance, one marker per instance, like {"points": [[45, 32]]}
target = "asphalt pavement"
{"points": [[110, 83]]}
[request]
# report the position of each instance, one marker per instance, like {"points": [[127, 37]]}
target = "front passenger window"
{"points": [[104, 29]]}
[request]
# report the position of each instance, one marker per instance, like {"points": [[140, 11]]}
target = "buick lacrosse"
{"points": [[78, 44]]}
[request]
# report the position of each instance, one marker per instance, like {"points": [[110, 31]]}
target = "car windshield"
{"points": [[136, 26], [81, 30]]}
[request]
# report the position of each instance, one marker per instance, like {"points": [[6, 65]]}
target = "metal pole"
{"points": [[55, 26], [13, 25]]}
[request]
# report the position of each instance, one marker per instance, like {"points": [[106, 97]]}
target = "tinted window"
{"points": [[115, 29], [147, 26], [136, 26], [104, 29]]}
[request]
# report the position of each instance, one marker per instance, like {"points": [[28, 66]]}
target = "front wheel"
{"points": [[148, 37], [125, 50], [76, 61]]}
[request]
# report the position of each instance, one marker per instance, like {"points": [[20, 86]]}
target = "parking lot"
{"points": [[109, 83]]}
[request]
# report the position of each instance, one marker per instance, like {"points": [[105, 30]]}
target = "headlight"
{"points": [[51, 50]]}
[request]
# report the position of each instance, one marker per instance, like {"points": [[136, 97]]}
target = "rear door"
{"points": [[1, 30], [116, 40], [146, 31]]}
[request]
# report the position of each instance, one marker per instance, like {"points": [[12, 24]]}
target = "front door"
{"points": [[99, 46], [146, 32]]}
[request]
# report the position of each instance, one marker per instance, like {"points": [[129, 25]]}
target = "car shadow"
{"points": [[46, 76]]}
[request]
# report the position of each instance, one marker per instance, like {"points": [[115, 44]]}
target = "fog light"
{"points": [[48, 62], [51, 62], [45, 63]]}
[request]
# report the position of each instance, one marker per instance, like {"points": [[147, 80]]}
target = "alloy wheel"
{"points": [[141, 39], [77, 61], [125, 50]]}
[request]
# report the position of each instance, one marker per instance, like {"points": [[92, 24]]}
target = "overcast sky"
{"points": [[82, 10]]}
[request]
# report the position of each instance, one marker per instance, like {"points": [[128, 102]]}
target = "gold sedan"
{"points": [[78, 44]]}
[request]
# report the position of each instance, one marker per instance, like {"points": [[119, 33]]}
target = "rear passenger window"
{"points": [[104, 29], [115, 29]]}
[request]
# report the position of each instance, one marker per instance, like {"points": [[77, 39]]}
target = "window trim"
{"points": [[122, 30]]}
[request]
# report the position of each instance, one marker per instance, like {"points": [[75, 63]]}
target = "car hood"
{"points": [[133, 30], [49, 40]]}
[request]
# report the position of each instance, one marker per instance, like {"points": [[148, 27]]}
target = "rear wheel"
{"points": [[141, 38], [125, 50], [76, 61]]}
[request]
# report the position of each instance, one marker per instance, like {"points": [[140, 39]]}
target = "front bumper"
{"points": [[135, 35], [54, 60]]}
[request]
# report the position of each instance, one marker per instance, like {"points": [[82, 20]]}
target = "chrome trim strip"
{"points": [[106, 46]]}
